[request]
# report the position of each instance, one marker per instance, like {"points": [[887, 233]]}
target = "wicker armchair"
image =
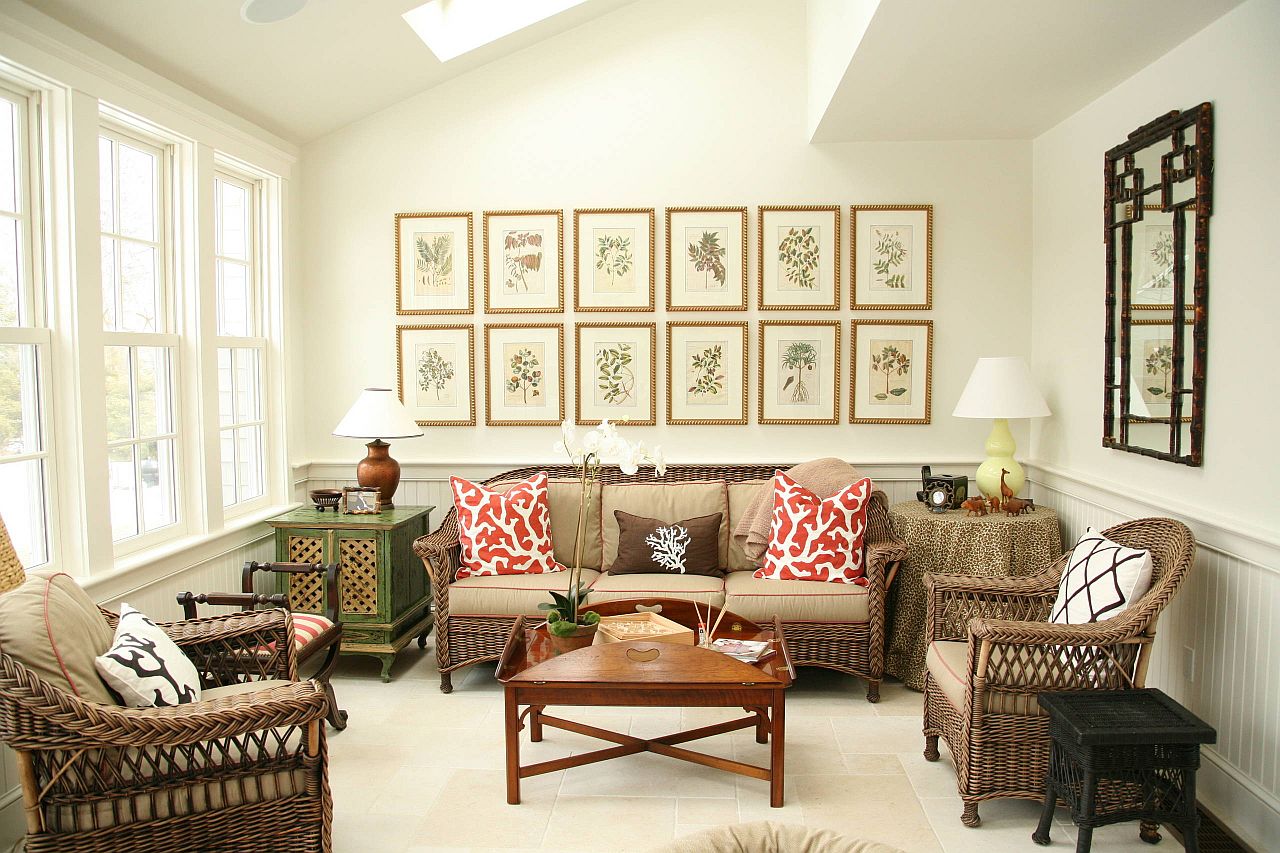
{"points": [[856, 648], [243, 769], [993, 650]]}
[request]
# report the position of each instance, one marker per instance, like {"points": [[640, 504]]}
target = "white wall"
{"points": [[1214, 652], [699, 104]]}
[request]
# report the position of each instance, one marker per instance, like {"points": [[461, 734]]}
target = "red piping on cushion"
{"points": [[655, 591], [799, 595], [48, 630], [946, 665]]}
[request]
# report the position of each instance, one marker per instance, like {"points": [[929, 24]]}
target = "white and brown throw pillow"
{"points": [[651, 546], [145, 667], [1101, 579]]}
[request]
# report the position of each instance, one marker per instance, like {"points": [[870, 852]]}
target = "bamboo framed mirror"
{"points": [[1158, 198]]}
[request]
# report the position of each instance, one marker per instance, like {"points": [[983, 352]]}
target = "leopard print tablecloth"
{"points": [[953, 543]]}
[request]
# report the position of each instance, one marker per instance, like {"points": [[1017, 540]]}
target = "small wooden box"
{"points": [[642, 626]]}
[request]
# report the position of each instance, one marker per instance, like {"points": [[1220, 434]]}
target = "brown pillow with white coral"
{"points": [[651, 546]]}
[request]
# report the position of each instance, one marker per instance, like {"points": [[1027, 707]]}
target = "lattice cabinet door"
{"points": [[362, 557], [306, 592]]}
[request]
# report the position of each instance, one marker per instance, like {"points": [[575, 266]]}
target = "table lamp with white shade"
{"points": [[378, 414], [1001, 388]]}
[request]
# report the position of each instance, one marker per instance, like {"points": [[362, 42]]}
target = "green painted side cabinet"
{"points": [[385, 595]]}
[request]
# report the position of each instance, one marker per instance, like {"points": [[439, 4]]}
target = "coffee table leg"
{"points": [[777, 723], [535, 723], [513, 747]]}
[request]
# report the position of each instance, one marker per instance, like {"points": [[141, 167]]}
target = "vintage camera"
{"points": [[956, 488]]}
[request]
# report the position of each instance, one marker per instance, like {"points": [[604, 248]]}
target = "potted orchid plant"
{"points": [[598, 447]]}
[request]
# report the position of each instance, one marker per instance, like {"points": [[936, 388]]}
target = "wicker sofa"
{"points": [[837, 626]]}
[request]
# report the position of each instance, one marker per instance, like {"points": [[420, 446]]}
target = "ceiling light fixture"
{"points": [[269, 11], [454, 27]]}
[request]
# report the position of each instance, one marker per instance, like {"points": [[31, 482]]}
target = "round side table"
{"points": [[956, 543]]}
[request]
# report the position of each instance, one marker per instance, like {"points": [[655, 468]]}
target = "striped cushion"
{"points": [[308, 626]]}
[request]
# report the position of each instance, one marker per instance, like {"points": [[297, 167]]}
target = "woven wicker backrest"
{"points": [[11, 572], [1173, 550]]}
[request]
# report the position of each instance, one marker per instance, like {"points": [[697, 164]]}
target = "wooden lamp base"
{"points": [[378, 470]]}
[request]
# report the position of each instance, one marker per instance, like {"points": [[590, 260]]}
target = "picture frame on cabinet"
{"points": [[434, 263], [434, 370], [799, 372], [523, 261], [798, 257], [892, 375], [891, 257], [706, 258], [524, 374], [707, 373], [616, 373], [613, 251]]}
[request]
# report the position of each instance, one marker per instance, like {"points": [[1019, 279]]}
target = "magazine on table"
{"points": [[749, 651]]}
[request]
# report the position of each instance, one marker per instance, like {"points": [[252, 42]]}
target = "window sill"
{"points": [[171, 558]]}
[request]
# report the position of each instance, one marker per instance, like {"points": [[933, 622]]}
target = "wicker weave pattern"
{"points": [[80, 761], [359, 559], [1014, 652], [11, 572], [854, 649]]}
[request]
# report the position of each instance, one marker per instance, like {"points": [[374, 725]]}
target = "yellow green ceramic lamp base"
{"points": [[1000, 448]]}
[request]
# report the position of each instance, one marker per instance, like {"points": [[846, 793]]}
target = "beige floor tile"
{"points": [[879, 734], [872, 763], [876, 808], [409, 791], [352, 833], [646, 775], [709, 811], [897, 700], [930, 778], [612, 823], [471, 811]]}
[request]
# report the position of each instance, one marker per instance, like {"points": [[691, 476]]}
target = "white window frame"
{"points": [[33, 326]]}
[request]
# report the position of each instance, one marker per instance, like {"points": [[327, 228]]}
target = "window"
{"points": [[241, 346], [140, 349], [25, 460]]}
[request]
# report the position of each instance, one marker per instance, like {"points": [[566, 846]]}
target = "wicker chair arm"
{"points": [[953, 600], [258, 643], [1027, 633], [440, 551], [1045, 582]]}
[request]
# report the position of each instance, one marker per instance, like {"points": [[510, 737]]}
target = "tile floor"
{"points": [[419, 771]]}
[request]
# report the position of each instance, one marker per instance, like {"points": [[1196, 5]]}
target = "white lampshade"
{"points": [[1001, 388], [377, 413]]}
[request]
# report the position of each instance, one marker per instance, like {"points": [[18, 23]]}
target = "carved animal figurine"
{"points": [[1014, 506], [1005, 491], [976, 506], [994, 503], [1031, 505]]}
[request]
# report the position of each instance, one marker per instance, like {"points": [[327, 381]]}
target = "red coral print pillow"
{"points": [[504, 533], [811, 539]]}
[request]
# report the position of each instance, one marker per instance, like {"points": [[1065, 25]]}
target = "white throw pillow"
{"points": [[145, 667], [1102, 578]]}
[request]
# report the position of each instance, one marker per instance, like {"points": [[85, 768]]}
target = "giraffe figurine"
{"points": [[1005, 491]]}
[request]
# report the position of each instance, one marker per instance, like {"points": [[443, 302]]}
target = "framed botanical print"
{"points": [[524, 374], [523, 261], [798, 257], [706, 373], [435, 375], [617, 373], [892, 372], [892, 256], [706, 258], [613, 259], [799, 372], [1151, 387], [433, 263]]}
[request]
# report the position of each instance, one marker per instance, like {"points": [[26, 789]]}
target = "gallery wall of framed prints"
{"points": [[723, 344]]}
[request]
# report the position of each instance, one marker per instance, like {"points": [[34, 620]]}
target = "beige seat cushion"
{"points": [[703, 589], [665, 502], [794, 601], [52, 627], [740, 494], [226, 691], [563, 499], [948, 663], [509, 595]]}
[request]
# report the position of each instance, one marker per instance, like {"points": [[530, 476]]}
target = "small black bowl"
{"points": [[326, 498]]}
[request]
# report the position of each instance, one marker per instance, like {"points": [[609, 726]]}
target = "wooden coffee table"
{"points": [[645, 674]]}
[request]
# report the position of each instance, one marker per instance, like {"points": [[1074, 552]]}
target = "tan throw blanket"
{"points": [[824, 477], [766, 836]]}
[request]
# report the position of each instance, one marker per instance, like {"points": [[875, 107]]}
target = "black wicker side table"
{"points": [[1120, 755]]}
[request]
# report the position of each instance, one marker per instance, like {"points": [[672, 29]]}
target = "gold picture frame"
{"points": [[532, 265], [910, 403], [728, 397], [434, 257], [445, 391], [874, 288], [631, 234], [789, 398], [617, 389], [786, 290], [681, 295], [516, 350]]}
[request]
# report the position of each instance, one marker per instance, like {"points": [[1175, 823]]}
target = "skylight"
{"points": [[454, 27]]}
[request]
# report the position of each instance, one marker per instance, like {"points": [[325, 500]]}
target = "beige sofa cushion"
{"points": [[703, 589], [563, 498], [52, 627], [740, 494], [794, 601], [664, 501], [948, 663], [509, 595]]}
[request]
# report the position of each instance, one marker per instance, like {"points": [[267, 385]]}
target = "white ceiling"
{"points": [[998, 69], [334, 62]]}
